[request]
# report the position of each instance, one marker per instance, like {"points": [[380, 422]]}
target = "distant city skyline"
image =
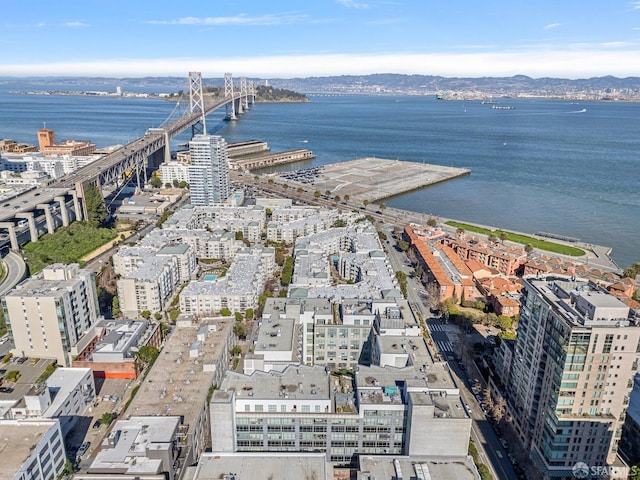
{"points": [[283, 38]]}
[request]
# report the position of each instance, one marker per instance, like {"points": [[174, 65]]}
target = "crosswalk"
{"points": [[444, 345], [436, 327]]}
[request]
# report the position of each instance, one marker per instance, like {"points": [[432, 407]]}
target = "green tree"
{"points": [[365, 202], [317, 194], [155, 182], [174, 314], [235, 351], [238, 330], [157, 316], [632, 271], [115, 306], [239, 235], [383, 207], [167, 185], [176, 183], [183, 184], [249, 313], [107, 418], [492, 238], [635, 472], [432, 222], [528, 248], [504, 323], [347, 198], [339, 223], [485, 473], [96, 208], [337, 199], [459, 231], [146, 314], [148, 354], [299, 190], [270, 181], [225, 312], [382, 235], [402, 245], [238, 316], [287, 272], [503, 236]]}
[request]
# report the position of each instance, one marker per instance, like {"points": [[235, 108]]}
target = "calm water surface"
{"points": [[572, 168]]}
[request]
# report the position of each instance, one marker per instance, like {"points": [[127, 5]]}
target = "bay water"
{"points": [[566, 167]]}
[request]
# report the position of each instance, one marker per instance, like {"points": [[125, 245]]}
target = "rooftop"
{"points": [[264, 466], [178, 383]]}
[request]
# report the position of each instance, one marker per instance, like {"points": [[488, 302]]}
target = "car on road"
{"points": [[83, 449], [97, 424]]}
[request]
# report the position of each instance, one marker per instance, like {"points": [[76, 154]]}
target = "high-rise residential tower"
{"points": [[572, 371], [209, 170]]}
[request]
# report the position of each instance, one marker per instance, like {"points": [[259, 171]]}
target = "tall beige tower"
{"points": [[46, 138]]}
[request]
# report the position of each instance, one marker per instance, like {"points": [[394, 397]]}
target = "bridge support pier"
{"points": [[65, 213], [47, 215], [13, 238], [30, 217], [76, 206]]}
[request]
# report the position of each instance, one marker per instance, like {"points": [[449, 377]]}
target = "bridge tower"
{"points": [[252, 92], [244, 93], [196, 102], [228, 92]]}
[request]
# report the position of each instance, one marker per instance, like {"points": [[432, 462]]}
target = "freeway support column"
{"points": [[64, 212], [33, 232], [76, 206], [47, 215], [13, 238]]}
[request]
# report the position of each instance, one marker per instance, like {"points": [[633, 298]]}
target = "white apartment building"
{"points": [[238, 290], [174, 172], [64, 396], [33, 449], [16, 163], [149, 287], [209, 170], [49, 313]]}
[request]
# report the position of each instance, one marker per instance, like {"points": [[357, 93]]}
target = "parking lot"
{"points": [[111, 395]]}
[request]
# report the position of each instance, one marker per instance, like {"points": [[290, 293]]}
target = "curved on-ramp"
{"points": [[15, 271]]}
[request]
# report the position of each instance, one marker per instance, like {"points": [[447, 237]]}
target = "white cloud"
{"points": [[552, 26], [75, 24], [541, 63], [352, 4], [635, 5], [242, 19]]}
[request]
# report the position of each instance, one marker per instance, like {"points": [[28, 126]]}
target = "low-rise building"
{"points": [[194, 359], [112, 353], [140, 446], [64, 396], [34, 449]]}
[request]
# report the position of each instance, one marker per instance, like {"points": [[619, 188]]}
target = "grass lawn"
{"points": [[523, 239], [66, 245]]}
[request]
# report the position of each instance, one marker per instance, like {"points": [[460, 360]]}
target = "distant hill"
{"points": [[382, 83], [427, 84]]}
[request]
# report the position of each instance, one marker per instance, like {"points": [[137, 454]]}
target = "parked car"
{"points": [[83, 449], [97, 424]]}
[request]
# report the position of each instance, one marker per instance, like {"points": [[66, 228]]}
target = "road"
{"points": [[15, 269]]}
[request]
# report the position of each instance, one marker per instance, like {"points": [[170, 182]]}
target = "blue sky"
{"points": [[287, 38]]}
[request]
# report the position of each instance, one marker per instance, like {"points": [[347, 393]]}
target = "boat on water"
{"points": [[502, 107], [439, 96], [489, 102]]}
